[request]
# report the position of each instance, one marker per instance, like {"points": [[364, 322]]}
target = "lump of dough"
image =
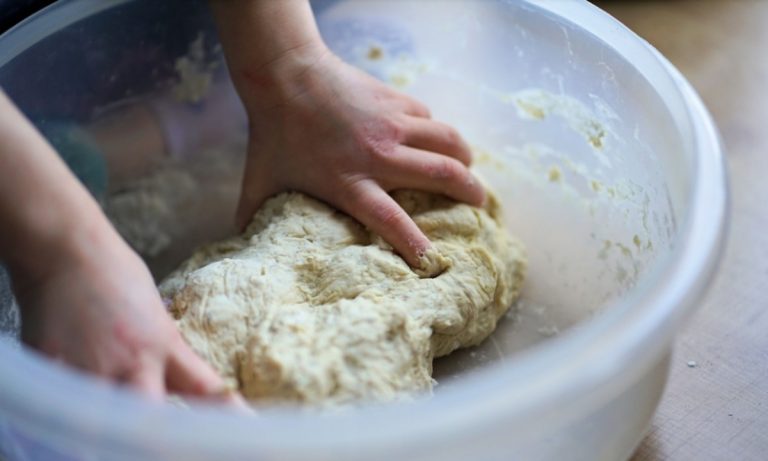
{"points": [[308, 306]]}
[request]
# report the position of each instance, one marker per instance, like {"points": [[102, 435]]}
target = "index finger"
{"points": [[373, 207]]}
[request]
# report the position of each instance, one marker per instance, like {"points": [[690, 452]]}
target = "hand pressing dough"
{"points": [[308, 306]]}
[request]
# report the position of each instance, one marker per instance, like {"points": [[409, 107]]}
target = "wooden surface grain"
{"points": [[718, 409]]}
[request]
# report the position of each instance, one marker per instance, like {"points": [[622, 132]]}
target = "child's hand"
{"points": [[85, 297], [325, 128], [95, 306], [336, 133]]}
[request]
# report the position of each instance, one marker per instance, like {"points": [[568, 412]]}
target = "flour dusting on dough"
{"points": [[308, 306]]}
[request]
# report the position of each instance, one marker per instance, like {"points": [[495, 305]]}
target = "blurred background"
{"points": [[716, 402]]}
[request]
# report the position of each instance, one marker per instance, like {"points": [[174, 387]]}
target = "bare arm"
{"points": [[86, 298], [44, 208], [268, 45]]}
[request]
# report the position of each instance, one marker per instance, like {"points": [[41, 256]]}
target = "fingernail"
{"points": [[421, 247]]}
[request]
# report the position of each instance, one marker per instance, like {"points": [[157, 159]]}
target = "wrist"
{"points": [[268, 86], [269, 45]]}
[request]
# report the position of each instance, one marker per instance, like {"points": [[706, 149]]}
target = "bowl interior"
{"points": [[579, 147]]}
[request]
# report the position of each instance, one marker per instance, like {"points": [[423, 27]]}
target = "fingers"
{"points": [[186, 373], [409, 168], [370, 204], [149, 377], [257, 186], [429, 135]]}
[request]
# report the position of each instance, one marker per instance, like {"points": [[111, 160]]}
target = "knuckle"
{"points": [[379, 151], [446, 169], [352, 196], [452, 136], [418, 107], [379, 140], [394, 129], [387, 215], [351, 188]]}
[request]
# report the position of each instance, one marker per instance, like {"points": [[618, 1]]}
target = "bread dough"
{"points": [[308, 306]]}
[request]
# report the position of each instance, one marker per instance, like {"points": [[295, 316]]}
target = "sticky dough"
{"points": [[308, 306]]}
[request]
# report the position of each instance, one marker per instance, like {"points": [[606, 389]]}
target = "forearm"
{"points": [[43, 207], [267, 43]]}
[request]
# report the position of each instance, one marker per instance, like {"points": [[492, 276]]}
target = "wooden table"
{"points": [[719, 408]]}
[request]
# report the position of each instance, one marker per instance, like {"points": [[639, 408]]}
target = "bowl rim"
{"points": [[671, 295]]}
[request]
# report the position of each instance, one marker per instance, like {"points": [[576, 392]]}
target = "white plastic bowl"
{"points": [[610, 170]]}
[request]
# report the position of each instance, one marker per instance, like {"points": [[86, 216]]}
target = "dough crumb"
{"points": [[375, 53], [432, 264]]}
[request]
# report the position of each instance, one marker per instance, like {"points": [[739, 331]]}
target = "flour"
{"points": [[194, 72]]}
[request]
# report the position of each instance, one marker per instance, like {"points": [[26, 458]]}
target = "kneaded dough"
{"points": [[308, 306]]}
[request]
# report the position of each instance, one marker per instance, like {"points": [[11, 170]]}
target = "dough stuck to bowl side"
{"points": [[308, 306]]}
